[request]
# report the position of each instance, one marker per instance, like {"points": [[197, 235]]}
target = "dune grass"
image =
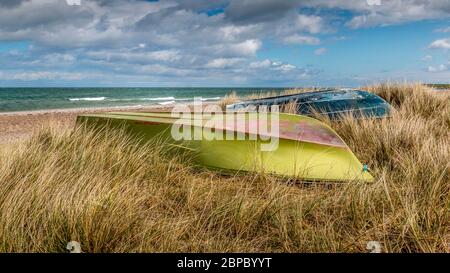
{"points": [[232, 97], [104, 190]]}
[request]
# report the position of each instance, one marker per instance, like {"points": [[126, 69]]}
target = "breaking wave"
{"points": [[167, 102], [88, 99], [157, 99], [207, 99]]}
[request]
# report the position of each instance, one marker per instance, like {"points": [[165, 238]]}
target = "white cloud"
{"points": [[427, 58], [312, 24], [261, 64], [223, 62], [272, 65], [41, 75], [232, 33], [444, 29], [441, 44], [320, 51], [163, 70], [135, 57], [301, 39], [392, 12], [440, 68], [73, 2], [243, 49], [340, 38], [165, 55], [285, 67], [248, 47]]}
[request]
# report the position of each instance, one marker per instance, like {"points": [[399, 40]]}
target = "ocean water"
{"points": [[26, 99]]}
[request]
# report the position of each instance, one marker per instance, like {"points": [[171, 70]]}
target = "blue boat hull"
{"points": [[334, 103]]}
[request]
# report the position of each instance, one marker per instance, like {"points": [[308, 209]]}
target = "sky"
{"points": [[202, 43]]}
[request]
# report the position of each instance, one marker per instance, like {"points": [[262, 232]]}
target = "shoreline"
{"points": [[83, 110], [19, 126]]}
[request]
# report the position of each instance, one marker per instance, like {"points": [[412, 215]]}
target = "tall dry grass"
{"points": [[228, 99], [232, 97], [111, 194]]}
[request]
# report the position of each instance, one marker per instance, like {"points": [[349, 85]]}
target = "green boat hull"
{"points": [[312, 158]]}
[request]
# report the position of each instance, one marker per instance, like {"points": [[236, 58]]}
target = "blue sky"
{"points": [[223, 42]]}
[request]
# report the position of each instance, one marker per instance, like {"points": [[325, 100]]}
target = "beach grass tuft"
{"points": [[109, 192]]}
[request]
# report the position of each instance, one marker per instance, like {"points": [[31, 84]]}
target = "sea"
{"points": [[29, 99]]}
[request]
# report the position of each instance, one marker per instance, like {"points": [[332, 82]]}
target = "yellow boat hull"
{"points": [[300, 154]]}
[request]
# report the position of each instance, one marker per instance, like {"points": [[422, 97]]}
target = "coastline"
{"points": [[19, 125], [80, 110]]}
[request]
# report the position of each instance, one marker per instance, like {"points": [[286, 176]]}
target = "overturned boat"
{"points": [[335, 103], [294, 146]]}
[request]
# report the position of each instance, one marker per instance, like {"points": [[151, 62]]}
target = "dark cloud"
{"points": [[46, 15], [156, 19], [201, 5], [110, 3], [442, 5], [11, 3], [256, 11]]}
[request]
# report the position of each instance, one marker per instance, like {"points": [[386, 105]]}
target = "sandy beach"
{"points": [[18, 126]]}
